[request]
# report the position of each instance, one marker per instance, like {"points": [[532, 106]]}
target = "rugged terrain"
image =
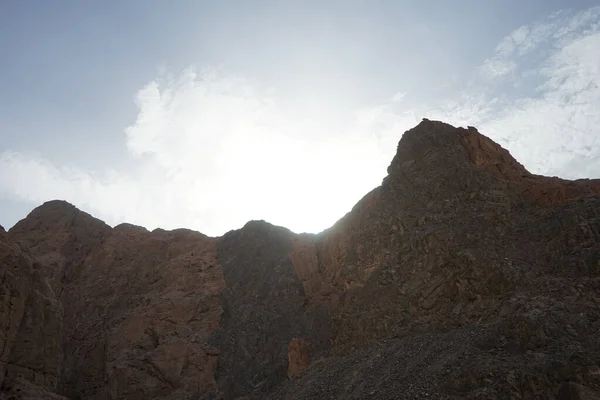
{"points": [[462, 276]]}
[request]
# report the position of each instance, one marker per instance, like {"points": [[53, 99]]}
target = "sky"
{"points": [[208, 114]]}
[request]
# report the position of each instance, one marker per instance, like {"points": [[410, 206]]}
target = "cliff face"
{"points": [[139, 306], [454, 227], [31, 321], [264, 309], [461, 276]]}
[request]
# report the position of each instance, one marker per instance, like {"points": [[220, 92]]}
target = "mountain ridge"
{"points": [[481, 151], [460, 254]]}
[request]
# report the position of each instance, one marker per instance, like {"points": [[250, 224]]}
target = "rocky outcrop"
{"points": [[450, 250], [574, 391], [298, 357], [446, 235], [264, 309], [139, 306], [16, 278], [150, 301], [462, 276], [36, 354], [486, 154]]}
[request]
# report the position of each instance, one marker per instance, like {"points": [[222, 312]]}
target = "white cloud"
{"points": [[510, 43], [493, 68], [213, 151], [555, 130], [539, 38]]}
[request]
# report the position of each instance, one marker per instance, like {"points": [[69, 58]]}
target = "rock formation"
{"points": [[298, 357], [31, 321], [462, 276]]}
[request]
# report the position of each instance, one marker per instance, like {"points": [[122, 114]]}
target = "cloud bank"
{"points": [[213, 151]]}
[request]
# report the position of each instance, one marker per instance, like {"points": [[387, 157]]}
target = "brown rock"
{"points": [[462, 276], [298, 357], [23, 389], [30, 322], [449, 254], [264, 306], [139, 306], [16, 277], [37, 354], [488, 155], [574, 391]]}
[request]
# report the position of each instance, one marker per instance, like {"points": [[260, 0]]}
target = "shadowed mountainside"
{"points": [[462, 276]]}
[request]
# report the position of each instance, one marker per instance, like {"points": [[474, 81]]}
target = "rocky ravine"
{"points": [[461, 276]]}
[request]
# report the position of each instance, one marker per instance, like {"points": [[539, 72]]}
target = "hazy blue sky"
{"points": [[206, 114]]}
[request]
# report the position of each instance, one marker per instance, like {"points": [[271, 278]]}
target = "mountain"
{"points": [[462, 276]]}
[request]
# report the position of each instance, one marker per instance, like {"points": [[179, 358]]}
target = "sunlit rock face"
{"points": [[462, 276]]}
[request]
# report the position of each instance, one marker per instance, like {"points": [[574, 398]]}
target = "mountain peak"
{"points": [[433, 140], [55, 214], [434, 151]]}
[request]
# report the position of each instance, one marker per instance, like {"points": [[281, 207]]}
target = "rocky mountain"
{"points": [[462, 276]]}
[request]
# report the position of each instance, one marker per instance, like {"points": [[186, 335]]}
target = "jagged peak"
{"points": [[56, 213], [436, 137], [450, 153]]}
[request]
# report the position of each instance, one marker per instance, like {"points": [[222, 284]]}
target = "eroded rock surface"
{"points": [[454, 244], [298, 357], [31, 324], [139, 306], [265, 307]]}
